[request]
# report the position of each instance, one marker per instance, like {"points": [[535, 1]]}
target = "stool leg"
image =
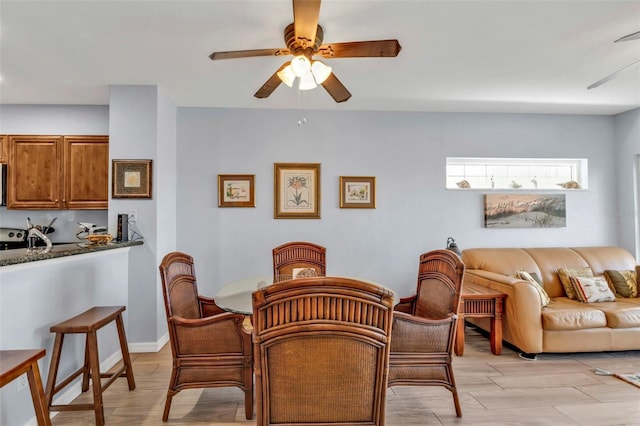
{"points": [[126, 358], [85, 373], [53, 368], [37, 395], [94, 365]]}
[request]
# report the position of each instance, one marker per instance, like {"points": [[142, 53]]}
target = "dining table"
{"points": [[236, 296]]}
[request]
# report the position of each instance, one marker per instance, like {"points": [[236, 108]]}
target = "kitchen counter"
{"points": [[18, 256]]}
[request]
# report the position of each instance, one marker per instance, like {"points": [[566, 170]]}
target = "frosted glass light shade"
{"points": [[287, 76], [320, 71], [300, 65], [307, 82]]}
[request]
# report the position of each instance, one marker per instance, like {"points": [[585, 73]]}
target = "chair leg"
{"points": [[167, 405], [456, 402], [248, 403]]}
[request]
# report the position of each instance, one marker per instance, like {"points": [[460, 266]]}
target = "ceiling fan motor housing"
{"points": [[302, 45]]}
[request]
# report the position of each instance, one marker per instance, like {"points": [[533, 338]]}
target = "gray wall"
{"points": [[406, 152], [628, 179]]}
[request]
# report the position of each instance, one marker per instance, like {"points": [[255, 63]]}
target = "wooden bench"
{"points": [[15, 363], [89, 323]]}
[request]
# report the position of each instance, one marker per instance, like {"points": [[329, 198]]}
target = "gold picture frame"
{"points": [[357, 192], [131, 178], [296, 190], [236, 191]]}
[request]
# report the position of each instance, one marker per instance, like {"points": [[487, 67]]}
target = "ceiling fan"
{"points": [[633, 36], [303, 39]]}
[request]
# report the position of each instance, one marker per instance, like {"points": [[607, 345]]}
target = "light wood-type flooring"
{"points": [[556, 389]]}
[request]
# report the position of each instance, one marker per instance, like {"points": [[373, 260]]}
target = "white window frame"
{"points": [[516, 173]]}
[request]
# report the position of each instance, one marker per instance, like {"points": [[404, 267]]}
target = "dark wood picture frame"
{"points": [[236, 191], [131, 178]]}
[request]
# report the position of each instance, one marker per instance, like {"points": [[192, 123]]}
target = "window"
{"points": [[516, 173]]}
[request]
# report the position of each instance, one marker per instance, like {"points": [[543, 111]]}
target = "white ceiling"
{"points": [[470, 56]]}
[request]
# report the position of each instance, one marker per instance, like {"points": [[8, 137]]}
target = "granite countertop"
{"points": [[17, 256]]}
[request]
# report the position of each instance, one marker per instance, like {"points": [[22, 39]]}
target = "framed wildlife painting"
{"points": [[236, 191], [297, 190], [357, 192]]}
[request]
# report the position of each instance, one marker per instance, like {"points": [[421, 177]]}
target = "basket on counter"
{"points": [[100, 239]]}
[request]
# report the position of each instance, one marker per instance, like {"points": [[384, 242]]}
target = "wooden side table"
{"points": [[14, 363], [480, 302]]}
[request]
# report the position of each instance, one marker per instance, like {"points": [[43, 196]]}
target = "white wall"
{"points": [[54, 120], [628, 180], [406, 152]]}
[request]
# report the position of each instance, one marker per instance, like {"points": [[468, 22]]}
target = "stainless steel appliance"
{"points": [[13, 238]]}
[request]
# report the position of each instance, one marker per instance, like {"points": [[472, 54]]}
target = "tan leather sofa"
{"points": [[565, 325]]}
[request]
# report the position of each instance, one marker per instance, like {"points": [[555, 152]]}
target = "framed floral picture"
{"points": [[236, 191], [131, 179], [357, 192], [297, 191]]}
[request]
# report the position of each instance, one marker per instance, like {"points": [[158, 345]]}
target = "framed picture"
{"points": [[525, 211], [297, 191], [131, 179], [357, 192], [236, 191]]}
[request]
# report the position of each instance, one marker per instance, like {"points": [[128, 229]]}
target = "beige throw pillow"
{"points": [[565, 273], [592, 289], [544, 297]]}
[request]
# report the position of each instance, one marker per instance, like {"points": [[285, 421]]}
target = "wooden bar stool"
{"points": [[13, 364], [89, 323]]}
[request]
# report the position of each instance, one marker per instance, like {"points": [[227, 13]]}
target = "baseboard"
{"points": [[149, 346]]}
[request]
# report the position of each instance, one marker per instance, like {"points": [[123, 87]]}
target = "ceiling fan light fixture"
{"points": [[320, 71], [300, 65], [307, 82], [287, 76]]}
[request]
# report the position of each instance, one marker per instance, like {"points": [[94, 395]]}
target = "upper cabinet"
{"points": [[3, 148], [58, 172]]}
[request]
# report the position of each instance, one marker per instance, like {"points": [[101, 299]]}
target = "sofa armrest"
{"points": [[522, 313]]}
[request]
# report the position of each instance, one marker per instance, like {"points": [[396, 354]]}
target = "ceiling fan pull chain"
{"points": [[301, 118]]}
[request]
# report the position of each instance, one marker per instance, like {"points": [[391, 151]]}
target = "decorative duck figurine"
{"points": [[572, 184], [463, 184], [515, 185]]}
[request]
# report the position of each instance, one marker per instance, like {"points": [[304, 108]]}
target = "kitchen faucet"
{"points": [[34, 233]]}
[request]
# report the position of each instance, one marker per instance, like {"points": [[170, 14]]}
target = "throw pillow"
{"points": [[531, 279], [565, 273], [592, 289], [625, 283]]}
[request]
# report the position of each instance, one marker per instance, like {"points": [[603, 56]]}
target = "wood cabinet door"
{"points": [[86, 172], [4, 142], [35, 170]]}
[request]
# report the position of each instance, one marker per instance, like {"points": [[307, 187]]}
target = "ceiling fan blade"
{"points": [[305, 20], [248, 53], [361, 49], [633, 36], [336, 89], [271, 84], [611, 76]]}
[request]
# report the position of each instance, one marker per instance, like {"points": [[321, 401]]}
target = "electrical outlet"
{"points": [[22, 382], [133, 215]]}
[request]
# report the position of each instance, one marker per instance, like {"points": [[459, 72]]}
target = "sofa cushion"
{"points": [[592, 289], [623, 282], [565, 275], [623, 317], [566, 314]]}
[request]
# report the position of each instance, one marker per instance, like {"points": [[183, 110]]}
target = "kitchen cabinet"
{"points": [[3, 148], [58, 172]]}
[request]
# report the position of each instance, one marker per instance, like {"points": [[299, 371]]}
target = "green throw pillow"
{"points": [[532, 278], [625, 283]]}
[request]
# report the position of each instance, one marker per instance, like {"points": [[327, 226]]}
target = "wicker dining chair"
{"points": [[210, 347], [424, 326], [307, 259], [321, 348]]}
